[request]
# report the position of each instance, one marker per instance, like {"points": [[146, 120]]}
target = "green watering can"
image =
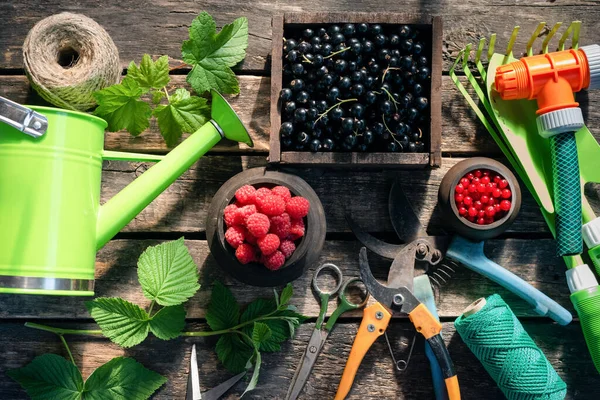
{"points": [[51, 220]]}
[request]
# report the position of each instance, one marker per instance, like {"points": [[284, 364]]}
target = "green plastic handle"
{"points": [[587, 305], [594, 254], [567, 194]]}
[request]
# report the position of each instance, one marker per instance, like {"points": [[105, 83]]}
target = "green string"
{"points": [[508, 354]]}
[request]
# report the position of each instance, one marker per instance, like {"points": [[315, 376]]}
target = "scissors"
{"points": [[320, 333], [193, 384]]}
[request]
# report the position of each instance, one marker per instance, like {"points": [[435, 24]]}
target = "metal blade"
{"points": [[218, 391], [193, 384], [403, 268], [377, 246], [403, 217], [315, 344]]}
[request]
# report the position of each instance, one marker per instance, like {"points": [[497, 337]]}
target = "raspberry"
{"points": [[243, 213], [235, 236], [268, 244], [287, 247], [250, 238], [262, 192], [297, 207], [273, 261], [245, 253], [283, 192], [229, 214], [245, 195], [271, 205], [280, 225], [297, 229], [258, 224]]}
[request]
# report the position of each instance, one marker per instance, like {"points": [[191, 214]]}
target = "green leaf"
{"points": [[183, 114], [260, 333], [258, 308], [233, 353], [223, 311], [157, 96], [121, 107], [167, 273], [123, 322], [254, 379], [168, 322], [213, 54], [150, 74], [49, 377], [122, 379], [286, 295]]}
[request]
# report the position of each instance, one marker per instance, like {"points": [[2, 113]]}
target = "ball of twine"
{"points": [[68, 57], [507, 352]]}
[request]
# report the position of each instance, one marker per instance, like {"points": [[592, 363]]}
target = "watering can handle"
{"points": [[471, 255], [22, 118]]}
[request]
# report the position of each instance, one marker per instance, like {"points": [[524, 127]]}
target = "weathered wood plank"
{"points": [[160, 28], [462, 133], [363, 194], [376, 378], [116, 275]]}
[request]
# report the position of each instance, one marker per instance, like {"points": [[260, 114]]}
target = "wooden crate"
{"points": [[432, 157]]}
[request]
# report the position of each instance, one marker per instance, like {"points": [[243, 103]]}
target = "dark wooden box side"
{"points": [[432, 158]]}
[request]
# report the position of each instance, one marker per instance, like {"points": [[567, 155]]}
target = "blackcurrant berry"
{"points": [[393, 62], [333, 94], [338, 38], [322, 32], [357, 110], [321, 105], [333, 29], [357, 89], [356, 48], [417, 89], [304, 47], [300, 115], [347, 125], [308, 33], [406, 45], [290, 107], [352, 66], [362, 28], [384, 55], [386, 107], [406, 62], [327, 79], [286, 129], [348, 29], [289, 44], [373, 67], [368, 47], [322, 70], [340, 65], [412, 147], [328, 144], [297, 69], [367, 137], [360, 125], [287, 143], [337, 113], [317, 48], [350, 141], [401, 128], [422, 61], [302, 138], [394, 40], [421, 103], [345, 83], [413, 114], [293, 56], [378, 128], [312, 113], [302, 97], [315, 145], [296, 85], [370, 98], [376, 29], [406, 100], [326, 49], [423, 73], [405, 31], [370, 81], [316, 132], [415, 136], [393, 147], [417, 48], [379, 40], [285, 94], [315, 40]]}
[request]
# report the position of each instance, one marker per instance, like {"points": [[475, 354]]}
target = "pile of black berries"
{"points": [[356, 87]]}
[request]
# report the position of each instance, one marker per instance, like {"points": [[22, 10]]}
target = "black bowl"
{"points": [[463, 226], [308, 248]]}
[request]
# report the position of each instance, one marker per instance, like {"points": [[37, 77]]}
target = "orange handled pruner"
{"points": [[397, 297]]}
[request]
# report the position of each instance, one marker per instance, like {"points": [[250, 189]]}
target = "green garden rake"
{"points": [[513, 126]]}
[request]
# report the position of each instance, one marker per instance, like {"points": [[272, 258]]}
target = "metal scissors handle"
{"points": [[340, 289]]}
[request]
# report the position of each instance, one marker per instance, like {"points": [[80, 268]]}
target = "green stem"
{"points": [[331, 108], [306, 59], [233, 329], [336, 53], [167, 93], [151, 307], [61, 331], [62, 339]]}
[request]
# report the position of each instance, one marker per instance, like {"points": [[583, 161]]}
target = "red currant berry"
{"points": [[485, 180], [475, 180], [496, 192], [489, 220], [491, 201], [480, 221], [497, 179], [477, 173], [459, 188], [497, 208], [490, 211], [478, 205], [459, 197], [505, 205], [480, 214], [465, 182], [462, 211], [506, 194], [472, 188], [467, 201], [471, 219], [472, 212], [481, 188], [484, 199], [503, 184], [470, 176], [489, 187]]}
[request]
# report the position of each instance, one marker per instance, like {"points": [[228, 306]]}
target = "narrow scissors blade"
{"points": [[218, 391], [404, 219], [313, 349], [193, 383], [377, 246]]}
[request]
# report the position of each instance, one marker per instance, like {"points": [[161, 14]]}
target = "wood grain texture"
{"points": [[116, 275], [462, 133], [376, 378], [159, 28]]}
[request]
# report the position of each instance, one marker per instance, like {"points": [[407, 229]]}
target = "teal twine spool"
{"points": [[508, 354]]}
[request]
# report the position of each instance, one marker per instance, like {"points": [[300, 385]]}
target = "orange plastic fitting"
{"points": [[550, 78]]}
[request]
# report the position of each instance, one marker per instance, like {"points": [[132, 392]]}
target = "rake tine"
{"points": [[511, 43], [564, 37], [533, 37], [576, 29], [466, 55], [492, 46], [550, 36], [478, 62]]}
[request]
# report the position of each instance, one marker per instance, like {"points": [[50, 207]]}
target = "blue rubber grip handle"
{"points": [[470, 254], [439, 385]]}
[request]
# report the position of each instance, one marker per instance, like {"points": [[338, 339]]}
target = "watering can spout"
{"points": [[123, 207]]}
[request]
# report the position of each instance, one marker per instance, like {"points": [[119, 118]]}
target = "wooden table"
{"points": [[159, 28]]}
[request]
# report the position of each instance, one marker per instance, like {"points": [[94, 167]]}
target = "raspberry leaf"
{"points": [[286, 295], [167, 273], [49, 376], [212, 54], [233, 352], [121, 107], [184, 113], [122, 378], [260, 333], [223, 311], [150, 74], [123, 322], [168, 322]]}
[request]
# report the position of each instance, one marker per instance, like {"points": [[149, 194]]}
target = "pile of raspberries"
{"points": [[263, 224]]}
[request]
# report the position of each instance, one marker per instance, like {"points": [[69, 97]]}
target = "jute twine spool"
{"points": [[68, 57], [496, 337]]}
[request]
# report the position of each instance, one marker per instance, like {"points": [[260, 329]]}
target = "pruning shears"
{"points": [[193, 384]]}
